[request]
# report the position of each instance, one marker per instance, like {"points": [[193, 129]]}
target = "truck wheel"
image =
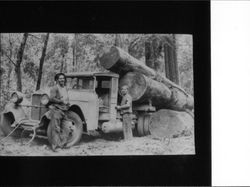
{"points": [[143, 124], [6, 120], [74, 128]]}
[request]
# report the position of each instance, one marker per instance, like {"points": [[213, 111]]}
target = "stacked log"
{"points": [[170, 124], [144, 90], [144, 83]]}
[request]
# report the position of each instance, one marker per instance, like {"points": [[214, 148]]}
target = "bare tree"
{"points": [[9, 64], [40, 71], [19, 62]]}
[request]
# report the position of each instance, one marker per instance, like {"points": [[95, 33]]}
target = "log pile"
{"points": [[144, 83]]}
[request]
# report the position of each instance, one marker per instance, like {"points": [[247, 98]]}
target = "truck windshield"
{"points": [[83, 83]]}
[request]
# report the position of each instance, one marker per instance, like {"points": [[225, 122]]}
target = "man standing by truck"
{"points": [[126, 112], [60, 99]]}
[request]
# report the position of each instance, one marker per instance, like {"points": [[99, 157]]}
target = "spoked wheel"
{"points": [[6, 120], [70, 127], [143, 124]]}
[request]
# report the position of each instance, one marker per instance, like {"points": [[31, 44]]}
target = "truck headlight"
{"points": [[16, 97], [45, 99]]}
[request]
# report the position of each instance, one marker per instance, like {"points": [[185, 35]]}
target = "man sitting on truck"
{"points": [[126, 112], [60, 99]]}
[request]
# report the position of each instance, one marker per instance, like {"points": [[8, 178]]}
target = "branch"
{"points": [[10, 59], [133, 42], [35, 36]]}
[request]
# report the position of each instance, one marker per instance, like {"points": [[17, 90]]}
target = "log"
{"points": [[144, 89], [119, 61], [170, 124]]}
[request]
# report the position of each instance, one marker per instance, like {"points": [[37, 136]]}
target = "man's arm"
{"points": [[53, 96], [127, 104]]}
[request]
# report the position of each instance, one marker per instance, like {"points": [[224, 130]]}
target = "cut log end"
{"points": [[109, 59], [136, 84], [169, 123]]}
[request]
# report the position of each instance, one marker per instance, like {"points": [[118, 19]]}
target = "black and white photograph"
{"points": [[84, 94], [105, 93]]}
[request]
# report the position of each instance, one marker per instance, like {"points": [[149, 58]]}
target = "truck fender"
{"points": [[16, 110], [78, 111]]}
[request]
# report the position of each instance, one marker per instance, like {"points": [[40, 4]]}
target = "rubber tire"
{"points": [[140, 125], [5, 124], [143, 124], [146, 124], [77, 134]]}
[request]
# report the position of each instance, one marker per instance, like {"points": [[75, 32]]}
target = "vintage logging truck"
{"points": [[93, 98]]}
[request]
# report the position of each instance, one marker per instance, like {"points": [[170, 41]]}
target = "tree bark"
{"points": [[120, 62], [40, 72], [19, 61]]}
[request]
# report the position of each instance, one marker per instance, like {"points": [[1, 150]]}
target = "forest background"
{"points": [[29, 61]]}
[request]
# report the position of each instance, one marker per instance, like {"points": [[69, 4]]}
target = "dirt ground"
{"points": [[106, 144]]}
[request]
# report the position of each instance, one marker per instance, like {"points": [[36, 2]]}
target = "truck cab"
{"points": [[96, 94]]}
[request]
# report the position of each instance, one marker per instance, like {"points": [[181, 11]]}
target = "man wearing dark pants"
{"points": [[126, 112], [60, 99]]}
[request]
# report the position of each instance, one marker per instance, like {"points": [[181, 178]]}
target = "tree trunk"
{"points": [[40, 72], [171, 64], [19, 61], [118, 41], [0, 73], [62, 63], [9, 66], [144, 90], [120, 62], [74, 53], [149, 59], [176, 68], [167, 63], [153, 50]]}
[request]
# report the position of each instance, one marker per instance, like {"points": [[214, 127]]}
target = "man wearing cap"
{"points": [[60, 99], [126, 112]]}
